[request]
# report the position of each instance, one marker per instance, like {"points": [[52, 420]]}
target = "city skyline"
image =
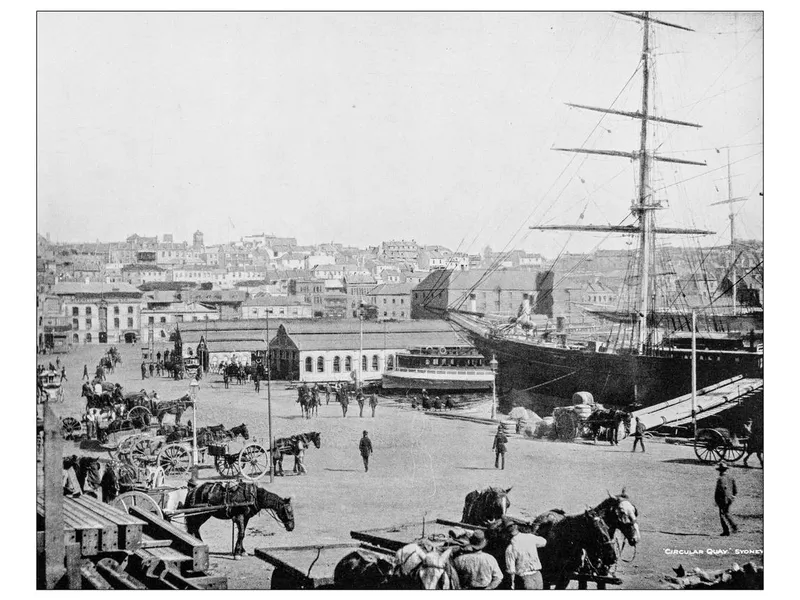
{"points": [[366, 127]]}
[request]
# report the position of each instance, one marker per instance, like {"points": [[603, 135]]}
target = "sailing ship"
{"points": [[649, 366]]}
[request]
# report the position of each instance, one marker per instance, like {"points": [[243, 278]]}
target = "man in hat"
{"points": [[522, 557], [476, 569], [638, 435], [365, 447], [723, 496], [499, 447]]}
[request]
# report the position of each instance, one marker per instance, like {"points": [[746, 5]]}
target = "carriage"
{"points": [[49, 389], [718, 444], [249, 461]]}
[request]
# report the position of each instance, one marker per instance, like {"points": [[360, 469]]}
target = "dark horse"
{"points": [[238, 502], [604, 424], [484, 506], [205, 435], [619, 514], [288, 445], [575, 543]]}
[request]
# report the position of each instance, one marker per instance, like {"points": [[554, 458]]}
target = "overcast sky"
{"points": [[365, 127]]}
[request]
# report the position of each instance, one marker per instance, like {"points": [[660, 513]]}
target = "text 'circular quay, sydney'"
{"points": [[560, 385]]}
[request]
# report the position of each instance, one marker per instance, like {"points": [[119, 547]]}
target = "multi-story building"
{"points": [[309, 290], [162, 311], [393, 300], [98, 312], [356, 287], [137, 274], [399, 250]]}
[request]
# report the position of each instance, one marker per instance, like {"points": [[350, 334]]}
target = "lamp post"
{"points": [[493, 367], [194, 387]]}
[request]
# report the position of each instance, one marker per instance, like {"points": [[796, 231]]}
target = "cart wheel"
{"points": [[142, 451], [731, 453], [124, 446], [174, 459], [139, 416], [708, 445], [227, 465], [69, 425], [253, 462], [138, 499]]}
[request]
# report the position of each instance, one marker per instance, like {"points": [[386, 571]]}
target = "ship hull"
{"points": [[547, 376], [452, 382]]}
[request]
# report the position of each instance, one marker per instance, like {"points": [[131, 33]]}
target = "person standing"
{"points": [[638, 435], [360, 400], [58, 362], [89, 419], [522, 558], [256, 378], [144, 371], [499, 447], [225, 378], [152, 369], [328, 391], [724, 494], [344, 400], [373, 403], [85, 372], [476, 569], [755, 441], [299, 455], [365, 447]]}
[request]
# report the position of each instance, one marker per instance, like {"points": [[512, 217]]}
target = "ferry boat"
{"points": [[451, 368]]}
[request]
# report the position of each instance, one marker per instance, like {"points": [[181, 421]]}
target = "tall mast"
{"points": [[645, 219], [733, 233], [642, 207]]}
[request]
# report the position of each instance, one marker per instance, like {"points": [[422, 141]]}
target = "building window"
{"points": [[394, 300], [151, 320], [163, 335], [402, 301], [88, 323], [336, 364], [75, 311], [116, 323], [390, 362], [88, 311], [320, 364], [130, 310], [88, 338], [116, 310], [384, 300], [130, 323], [402, 313], [384, 313], [75, 338], [348, 363], [374, 362], [309, 365], [364, 363], [75, 323], [163, 319]]}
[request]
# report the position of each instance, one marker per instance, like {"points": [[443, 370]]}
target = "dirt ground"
{"points": [[424, 466]]}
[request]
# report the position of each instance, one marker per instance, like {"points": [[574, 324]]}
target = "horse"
{"points": [[288, 445], [619, 513], [449, 403], [361, 570], [604, 424], [205, 435], [574, 543], [93, 400], [313, 403], [303, 396], [238, 502], [484, 506], [413, 567]]}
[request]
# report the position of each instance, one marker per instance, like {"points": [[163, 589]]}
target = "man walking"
{"points": [[365, 447], [327, 394], [499, 447], [85, 372], [360, 400], [723, 496], [476, 569], [152, 370], [344, 400], [64, 374], [144, 371], [638, 435], [373, 403]]}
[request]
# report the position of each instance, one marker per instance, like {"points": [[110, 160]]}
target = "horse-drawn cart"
{"points": [[251, 461], [49, 388], [718, 444]]}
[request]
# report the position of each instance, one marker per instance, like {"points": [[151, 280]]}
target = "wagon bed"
{"points": [[309, 567]]}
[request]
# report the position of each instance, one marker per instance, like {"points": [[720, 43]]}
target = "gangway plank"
{"points": [[710, 400]]}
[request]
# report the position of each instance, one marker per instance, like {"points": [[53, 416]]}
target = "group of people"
{"points": [[342, 393], [479, 570]]}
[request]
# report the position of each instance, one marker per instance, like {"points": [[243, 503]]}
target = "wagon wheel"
{"points": [[253, 462], [142, 452], [708, 445], [69, 425], [174, 459], [733, 450], [227, 465], [124, 446], [139, 416], [138, 499]]}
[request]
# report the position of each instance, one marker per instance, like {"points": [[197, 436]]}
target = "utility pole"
{"points": [[694, 374], [269, 399]]}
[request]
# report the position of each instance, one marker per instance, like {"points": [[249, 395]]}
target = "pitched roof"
{"points": [[392, 289], [275, 301], [510, 279], [96, 289]]}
